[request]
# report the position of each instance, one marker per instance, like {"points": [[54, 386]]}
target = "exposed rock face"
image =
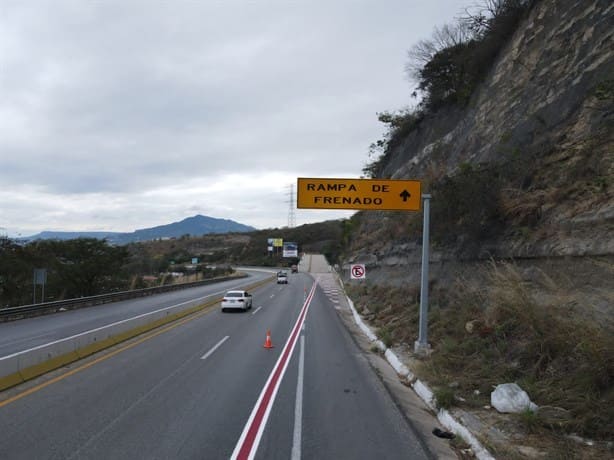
{"points": [[549, 99], [540, 92]]}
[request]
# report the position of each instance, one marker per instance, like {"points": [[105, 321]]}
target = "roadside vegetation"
{"points": [[494, 331], [502, 324], [85, 267], [88, 266], [520, 189], [76, 268], [447, 69]]}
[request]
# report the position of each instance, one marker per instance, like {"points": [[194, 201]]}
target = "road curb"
{"points": [[423, 391]]}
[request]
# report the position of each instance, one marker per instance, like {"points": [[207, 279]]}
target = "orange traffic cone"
{"points": [[267, 342]]}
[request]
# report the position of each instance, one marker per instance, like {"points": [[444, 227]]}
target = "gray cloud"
{"points": [[120, 114]]}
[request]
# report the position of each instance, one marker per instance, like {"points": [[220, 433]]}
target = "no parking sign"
{"points": [[358, 272]]}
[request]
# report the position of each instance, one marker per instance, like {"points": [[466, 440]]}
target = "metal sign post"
{"points": [[421, 345], [39, 278], [376, 195]]}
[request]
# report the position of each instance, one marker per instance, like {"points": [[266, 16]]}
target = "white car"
{"points": [[237, 300], [282, 278]]}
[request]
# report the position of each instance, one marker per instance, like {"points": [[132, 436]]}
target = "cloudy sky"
{"points": [[118, 115]]}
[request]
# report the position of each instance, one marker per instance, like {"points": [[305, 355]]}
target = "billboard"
{"points": [[273, 243], [290, 249]]}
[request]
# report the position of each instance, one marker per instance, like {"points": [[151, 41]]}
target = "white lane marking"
{"points": [[219, 344], [257, 310], [252, 432], [272, 296], [298, 405], [65, 339], [108, 325], [195, 299]]}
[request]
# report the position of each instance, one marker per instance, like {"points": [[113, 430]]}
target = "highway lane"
{"points": [[188, 393], [346, 411], [16, 336]]}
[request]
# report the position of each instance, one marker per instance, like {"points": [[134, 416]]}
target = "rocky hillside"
{"points": [[524, 170], [517, 151]]}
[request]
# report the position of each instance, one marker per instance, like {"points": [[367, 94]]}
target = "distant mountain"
{"points": [[195, 226], [47, 235]]}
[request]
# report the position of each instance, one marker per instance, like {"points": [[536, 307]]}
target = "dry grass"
{"points": [[560, 358], [525, 208], [394, 314]]}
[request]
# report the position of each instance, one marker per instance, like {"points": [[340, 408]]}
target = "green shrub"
{"points": [[450, 67], [466, 205], [385, 335], [529, 420], [444, 397]]}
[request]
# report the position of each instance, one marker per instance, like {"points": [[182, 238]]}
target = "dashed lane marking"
{"points": [[218, 345]]}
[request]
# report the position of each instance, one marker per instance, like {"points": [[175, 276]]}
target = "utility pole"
{"points": [[291, 213]]}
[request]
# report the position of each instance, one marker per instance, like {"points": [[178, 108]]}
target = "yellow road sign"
{"points": [[366, 194]]}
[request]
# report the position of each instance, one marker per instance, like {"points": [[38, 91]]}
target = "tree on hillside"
{"points": [[449, 77], [448, 66], [447, 36], [14, 273], [488, 16], [92, 266], [85, 266]]}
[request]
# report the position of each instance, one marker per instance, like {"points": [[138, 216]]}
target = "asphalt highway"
{"points": [[195, 389], [16, 336]]}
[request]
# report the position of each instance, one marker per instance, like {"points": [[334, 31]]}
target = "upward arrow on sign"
{"points": [[405, 195]]}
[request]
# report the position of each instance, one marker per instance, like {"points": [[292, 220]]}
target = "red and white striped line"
{"points": [[252, 432]]}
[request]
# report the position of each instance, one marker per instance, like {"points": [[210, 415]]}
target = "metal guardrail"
{"points": [[24, 311]]}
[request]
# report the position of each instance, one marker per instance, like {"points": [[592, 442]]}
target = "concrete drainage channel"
{"points": [[26, 365]]}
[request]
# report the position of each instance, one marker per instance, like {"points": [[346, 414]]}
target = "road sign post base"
{"points": [[422, 349]]}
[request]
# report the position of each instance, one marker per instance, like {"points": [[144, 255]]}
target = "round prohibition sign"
{"points": [[358, 271]]}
